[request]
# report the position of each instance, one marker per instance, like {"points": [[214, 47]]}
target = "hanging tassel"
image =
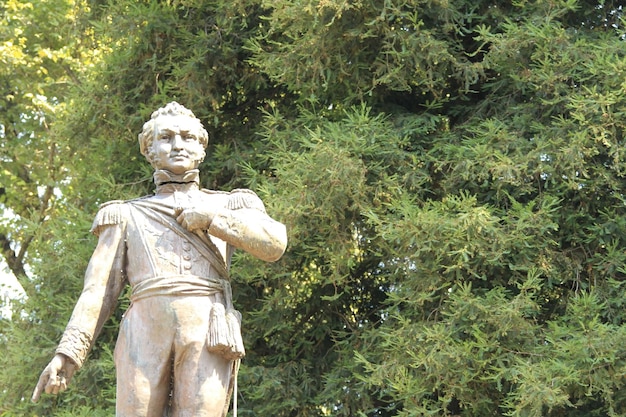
{"points": [[218, 340], [233, 318], [224, 335]]}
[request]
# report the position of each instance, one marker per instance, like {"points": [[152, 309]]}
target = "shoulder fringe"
{"points": [[208, 191], [244, 198], [110, 213]]}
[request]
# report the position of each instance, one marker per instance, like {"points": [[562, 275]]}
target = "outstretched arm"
{"points": [[101, 290]]}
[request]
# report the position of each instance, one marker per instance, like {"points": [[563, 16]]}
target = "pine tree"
{"points": [[450, 173]]}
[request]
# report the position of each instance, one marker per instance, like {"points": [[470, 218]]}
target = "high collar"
{"points": [[167, 182]]}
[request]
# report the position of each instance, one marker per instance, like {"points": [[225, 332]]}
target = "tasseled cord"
{"points": [[236, 371], [217, 337], [224, 337]]}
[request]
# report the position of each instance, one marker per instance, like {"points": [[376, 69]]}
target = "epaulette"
{"points": [[244, 198], [110, 213], [207, 191], [134, 199]]}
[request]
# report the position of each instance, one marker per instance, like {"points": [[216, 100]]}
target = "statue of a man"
{"points": [[179, 343]]}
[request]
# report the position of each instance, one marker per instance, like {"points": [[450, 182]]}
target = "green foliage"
{"points": [[37, 62], [450, 172]]}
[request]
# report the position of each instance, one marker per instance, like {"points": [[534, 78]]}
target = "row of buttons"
{"points": [[186, 255]]}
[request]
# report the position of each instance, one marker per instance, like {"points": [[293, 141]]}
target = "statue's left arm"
{"points": [[245, 225]]}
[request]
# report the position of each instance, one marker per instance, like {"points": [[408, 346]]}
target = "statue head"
{"points": [[171, 117]]}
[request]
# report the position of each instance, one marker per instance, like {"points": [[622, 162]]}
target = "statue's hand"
{"points": [[195, 218], [55, 377]]}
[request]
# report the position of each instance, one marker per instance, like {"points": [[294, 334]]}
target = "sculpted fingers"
{"points": [[69, 370], [62, 379], [55, 377], [43, 381], [193, 219], [53, 381], [56, 385], [179, 214], [48, 382], [185, 219], [180, 217]]}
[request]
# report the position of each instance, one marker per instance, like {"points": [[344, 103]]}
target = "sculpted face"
{"points": [[176, 146]]}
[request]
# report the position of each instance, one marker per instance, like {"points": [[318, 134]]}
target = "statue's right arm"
{"points": [[104, 282]]}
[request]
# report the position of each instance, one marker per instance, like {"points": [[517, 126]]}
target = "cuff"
{"points": [[75, 344]]}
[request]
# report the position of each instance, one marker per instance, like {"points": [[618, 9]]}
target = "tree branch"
{"points": [[16, 265]]}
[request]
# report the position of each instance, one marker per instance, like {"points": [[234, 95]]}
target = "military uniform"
{"points": [[180, 325]]}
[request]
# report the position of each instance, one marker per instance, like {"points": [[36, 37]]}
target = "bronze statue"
{"points": [[179, 344]]}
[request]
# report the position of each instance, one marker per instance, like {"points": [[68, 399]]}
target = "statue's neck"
{"points": [[167, 182]]}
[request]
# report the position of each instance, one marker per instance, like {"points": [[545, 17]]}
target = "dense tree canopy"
{"points": [[451, 173]]}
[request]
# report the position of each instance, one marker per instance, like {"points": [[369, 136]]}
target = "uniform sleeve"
{"points": [[245, 225], [104, 281]]}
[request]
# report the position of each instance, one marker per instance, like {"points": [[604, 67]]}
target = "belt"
{"points": [[189, 285]]}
